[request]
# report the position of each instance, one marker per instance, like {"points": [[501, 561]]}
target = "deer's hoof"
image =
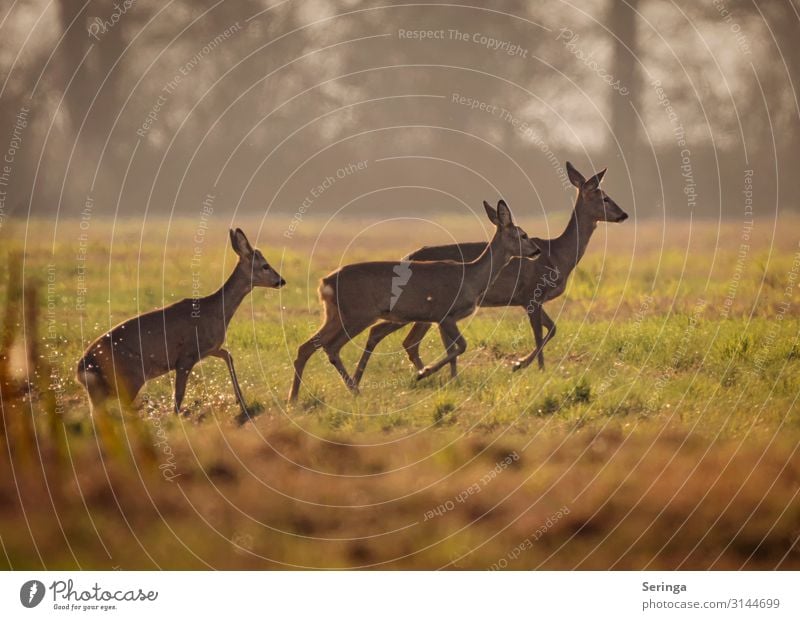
{"points": [[518, 365], [353, 387], [425, 372]]}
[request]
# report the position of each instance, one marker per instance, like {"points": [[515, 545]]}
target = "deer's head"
{"points": [[515, 240], [596, 203], [253, 263]]}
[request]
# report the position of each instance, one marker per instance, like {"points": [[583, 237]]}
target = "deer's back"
{"points": [[399, 290], [522, 282], [151, 344], [459, 252]]}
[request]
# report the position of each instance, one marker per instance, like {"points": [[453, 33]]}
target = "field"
{"points": [[663, 433]]}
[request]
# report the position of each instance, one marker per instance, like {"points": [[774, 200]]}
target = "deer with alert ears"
{"points": [[523, 282], [439, 291], [175, 337]]}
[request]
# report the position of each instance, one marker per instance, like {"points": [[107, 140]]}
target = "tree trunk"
{"points": [[624, 124]]}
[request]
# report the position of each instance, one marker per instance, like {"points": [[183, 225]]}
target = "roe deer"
{"points": [[523, 282], [175, 337], [443, 292]]}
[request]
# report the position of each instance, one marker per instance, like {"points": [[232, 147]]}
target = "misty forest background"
{"points": [[287, 95]]}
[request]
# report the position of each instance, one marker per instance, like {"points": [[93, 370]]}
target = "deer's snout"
{"points": [[622, 217], [282, 282]]}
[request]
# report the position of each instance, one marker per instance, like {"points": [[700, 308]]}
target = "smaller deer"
{"points": [[399, 292], [175, 337], [525, 283]]}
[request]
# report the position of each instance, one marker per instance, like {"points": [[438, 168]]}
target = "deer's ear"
{"points": [[504, 214], [491, 213], [575, 177], [594, 182], [240, 243]]}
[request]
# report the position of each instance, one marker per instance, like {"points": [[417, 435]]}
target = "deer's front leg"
{"points": [[456, 346], [538, 318], [225, 355], [534, 313], [182, 371], [551, 332]]}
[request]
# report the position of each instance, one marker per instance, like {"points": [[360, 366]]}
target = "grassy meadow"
{"points": [[663, 433]]}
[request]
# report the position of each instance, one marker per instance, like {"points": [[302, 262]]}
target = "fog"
{"points": [[146, 109]]}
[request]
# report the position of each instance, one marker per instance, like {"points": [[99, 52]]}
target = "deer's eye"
{"points": [[266, 267]]}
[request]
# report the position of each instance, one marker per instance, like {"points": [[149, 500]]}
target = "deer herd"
{"points": [[440, 285]]}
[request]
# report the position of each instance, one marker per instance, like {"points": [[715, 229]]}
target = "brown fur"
{"points": [[175, 337], [444, 292]]}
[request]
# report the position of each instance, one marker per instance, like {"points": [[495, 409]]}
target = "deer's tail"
{"points": [[329, 296]]}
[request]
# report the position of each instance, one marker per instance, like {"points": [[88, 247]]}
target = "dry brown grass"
{"points": [[711, 482], [274, 497]]}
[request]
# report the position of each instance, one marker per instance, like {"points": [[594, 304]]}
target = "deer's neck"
{"points": [[568, 249], [485, 269], [230, 296]]}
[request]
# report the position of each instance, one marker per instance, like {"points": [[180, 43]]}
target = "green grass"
{"points": [[646, 388]]}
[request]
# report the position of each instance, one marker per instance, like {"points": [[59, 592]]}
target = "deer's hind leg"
{"points": [[454, 361], [413, 340], [331, 337], [334, 344], [225, 355], [304, 352], [455, 347], [376, 334]]}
